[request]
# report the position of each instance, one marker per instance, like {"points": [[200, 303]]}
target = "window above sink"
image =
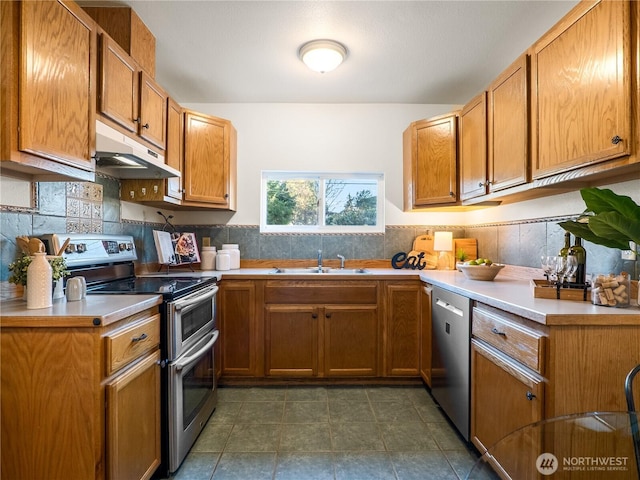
{"points": [[321, 202]]}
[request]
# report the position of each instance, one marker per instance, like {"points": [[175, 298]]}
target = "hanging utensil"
{"points": [[23, 243], [36, 246], [63, 247]]}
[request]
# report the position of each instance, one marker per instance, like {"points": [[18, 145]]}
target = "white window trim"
{"points": [[311, 229]]}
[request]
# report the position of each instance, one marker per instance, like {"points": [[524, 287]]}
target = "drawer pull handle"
{"points": [[139, 339], [498, 332], [530, 396]]}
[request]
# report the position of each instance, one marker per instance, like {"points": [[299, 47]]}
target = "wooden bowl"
{"points": [[481, 272]]}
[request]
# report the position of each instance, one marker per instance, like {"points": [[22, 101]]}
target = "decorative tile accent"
{"points": [[84, 209]]}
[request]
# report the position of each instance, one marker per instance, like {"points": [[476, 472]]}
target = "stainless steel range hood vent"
{"points": [[123, 157]]}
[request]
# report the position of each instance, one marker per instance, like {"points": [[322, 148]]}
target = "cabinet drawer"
{"points": [[519, 342], [298, 292], [126, 344]]}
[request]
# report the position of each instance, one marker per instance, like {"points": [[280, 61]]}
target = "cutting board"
{"points": [[469, 245], [424, 243]]}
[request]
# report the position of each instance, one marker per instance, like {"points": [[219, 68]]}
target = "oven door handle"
{"points": [[184, 303], [184, 362]]}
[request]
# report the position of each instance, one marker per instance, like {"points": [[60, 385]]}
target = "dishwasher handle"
{"points": [[448, 306]]}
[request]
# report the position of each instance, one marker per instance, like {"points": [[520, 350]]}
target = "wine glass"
{"points": [[566, 268], [549, 265]]}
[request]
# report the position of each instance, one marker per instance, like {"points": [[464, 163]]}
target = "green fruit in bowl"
{"points": [[472, 262], [480, 261], [487, 262]]}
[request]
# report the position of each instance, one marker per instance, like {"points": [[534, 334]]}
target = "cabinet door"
{"points": [[504, 397], [425, 335], [133, 421], [508, 127], [291, 340], [430, 162], [350, 340], [207, 159], [238, 328], [402, 324], [153, 111], [473, 148], [174, 155], [119, 83], [56, 105], [582, 90]]}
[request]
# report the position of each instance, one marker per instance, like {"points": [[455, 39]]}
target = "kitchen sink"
{"points": [[318, 271]]}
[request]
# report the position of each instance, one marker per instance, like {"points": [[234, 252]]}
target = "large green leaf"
{"points": [[583, 231], [604, 200], [614, 226]]}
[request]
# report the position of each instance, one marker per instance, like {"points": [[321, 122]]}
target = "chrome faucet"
{"points": [[341, 257], [319, 259]]}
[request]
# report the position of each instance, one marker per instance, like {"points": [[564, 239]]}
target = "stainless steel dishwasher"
{"points": [[450, 377]]}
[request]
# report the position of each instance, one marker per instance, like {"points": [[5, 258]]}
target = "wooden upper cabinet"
{"points": [[209, 160], [581, 93], [430, 162], [508, 127], [473, 148], [153, 111], [48, 89], [119, 85], [174, 155], [129, 97], [127, 29]]}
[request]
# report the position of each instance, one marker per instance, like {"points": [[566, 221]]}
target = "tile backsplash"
{"points": [[95, 207]]}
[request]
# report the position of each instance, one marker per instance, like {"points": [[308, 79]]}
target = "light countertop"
{"points": [[94, 310]]}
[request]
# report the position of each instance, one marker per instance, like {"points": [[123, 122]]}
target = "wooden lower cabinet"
{"points": [[240, 334], [133, 426], [402, 325], [291, 340], [425, 332], [505, 396], [350, 340], [321, 329], [64, 414]]}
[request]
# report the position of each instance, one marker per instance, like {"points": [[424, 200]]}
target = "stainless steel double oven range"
{"points": [[188, 331]]}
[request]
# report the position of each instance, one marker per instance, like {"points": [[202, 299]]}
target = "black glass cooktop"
{"points": [[168, 287]]}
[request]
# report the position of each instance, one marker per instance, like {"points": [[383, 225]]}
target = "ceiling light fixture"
{"points": [[322, 55]]}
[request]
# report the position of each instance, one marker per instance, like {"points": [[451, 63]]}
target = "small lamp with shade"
{"points": [[443, 243]]}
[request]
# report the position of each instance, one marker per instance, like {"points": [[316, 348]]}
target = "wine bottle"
{"points": [[564, 251], [581, 256]]}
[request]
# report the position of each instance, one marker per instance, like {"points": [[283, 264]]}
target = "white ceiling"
{"points": [[422, 52]]}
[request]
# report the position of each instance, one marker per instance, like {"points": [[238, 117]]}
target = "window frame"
{"points": [[267, 175]]}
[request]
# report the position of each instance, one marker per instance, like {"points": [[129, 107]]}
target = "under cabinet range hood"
{"points": [[123, 157]]}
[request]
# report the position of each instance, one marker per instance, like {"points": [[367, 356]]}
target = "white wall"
{"points": [[326, 137]]}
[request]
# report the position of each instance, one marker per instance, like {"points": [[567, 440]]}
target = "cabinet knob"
{"points": [[226, 195], [451, 194], [495, 331], [328, 315], [530, 396], [616, 140], [136, 120], [146, 125], [314, 315], [480, 184]]}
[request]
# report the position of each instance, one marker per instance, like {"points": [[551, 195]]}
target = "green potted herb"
{"points": [[18, 269], [610, 220]]}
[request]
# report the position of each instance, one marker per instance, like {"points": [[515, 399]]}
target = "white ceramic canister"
{"points": [[39, 282], [74, 289], [234, 251], [223, 260], [208, 258]]}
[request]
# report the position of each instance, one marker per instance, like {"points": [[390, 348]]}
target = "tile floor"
{"points": [[338, 433]]}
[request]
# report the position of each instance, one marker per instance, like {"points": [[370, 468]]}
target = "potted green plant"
{"points": [[610, 219], [18, 270]]}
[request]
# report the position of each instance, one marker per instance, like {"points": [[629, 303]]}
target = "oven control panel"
{"points": [[88, 249]]}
